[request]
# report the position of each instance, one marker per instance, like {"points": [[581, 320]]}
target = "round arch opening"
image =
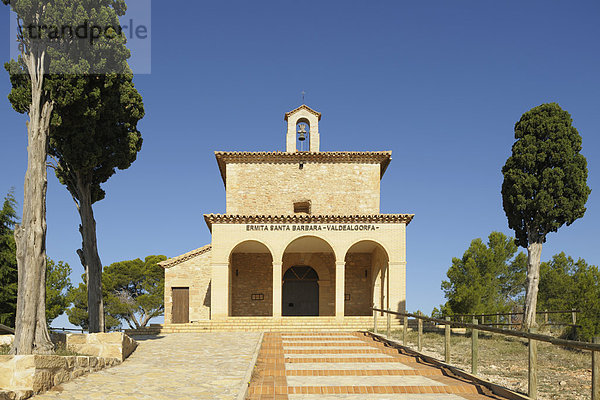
{"points": [[366, 278], [250, 294], [308, 281]]}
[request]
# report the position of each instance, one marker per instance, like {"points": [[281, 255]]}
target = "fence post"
{"points": [[474, 347], [482, 319], [375, 321], [420, 336], [546, 316], [532, 392], [404, 330], [497, 320], [389, 323], [574, 316], [596, 372], [447, 334]]}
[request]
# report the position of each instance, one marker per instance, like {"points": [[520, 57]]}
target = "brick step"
{"points": [[245, 329], [268, 324]]}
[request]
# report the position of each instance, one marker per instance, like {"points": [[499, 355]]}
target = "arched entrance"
{"points": [[250, 294], [317, 254], [367, 282], [300, 293]]}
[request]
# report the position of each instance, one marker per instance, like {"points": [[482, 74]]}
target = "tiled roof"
{"points": [[307, 219], [184, 257], [371, 157], [305, 107]]}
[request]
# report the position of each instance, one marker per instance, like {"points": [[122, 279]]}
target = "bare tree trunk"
{"points": [[534, 253], [31, 329], [90, 258]]}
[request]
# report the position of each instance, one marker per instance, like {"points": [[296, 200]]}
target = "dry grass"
{"points": [[562, 374]]}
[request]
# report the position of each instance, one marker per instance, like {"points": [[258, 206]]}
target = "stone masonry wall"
{"points": [[334, 188], [194, 273], [358, 284], [26, 375], [107, 345], [251, 273]]}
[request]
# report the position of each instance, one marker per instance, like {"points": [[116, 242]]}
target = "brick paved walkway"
{"points": [[174, 367], [334, 366]]}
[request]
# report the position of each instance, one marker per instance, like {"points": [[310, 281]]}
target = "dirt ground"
{"points": [[562, 374]]}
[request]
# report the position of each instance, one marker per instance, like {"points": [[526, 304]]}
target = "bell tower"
{"points": [[302, 129]]}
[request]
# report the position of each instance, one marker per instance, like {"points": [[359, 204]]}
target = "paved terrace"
{"points": [[335, 366], [187, 366]]}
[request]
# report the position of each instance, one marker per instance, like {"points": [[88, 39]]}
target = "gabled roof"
{"points": [[307, 219], [372, 157], [302, 107], [184, 257]]}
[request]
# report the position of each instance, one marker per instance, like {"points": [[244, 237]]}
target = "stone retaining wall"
{"points": [[108, 345], [26, 375]]}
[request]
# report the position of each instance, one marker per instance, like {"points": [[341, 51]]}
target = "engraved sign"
{"points": [[312, 227]]}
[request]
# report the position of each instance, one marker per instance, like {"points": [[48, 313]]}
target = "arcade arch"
{"points": [[250, 283], [317, 254], [366, 284]]}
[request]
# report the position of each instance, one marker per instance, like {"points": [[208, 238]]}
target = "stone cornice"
{"points": [[281, 157], [184, 257], [307, 219], [302, 107]]}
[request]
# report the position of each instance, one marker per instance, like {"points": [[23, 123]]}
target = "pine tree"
{"points": [[8, 261]]}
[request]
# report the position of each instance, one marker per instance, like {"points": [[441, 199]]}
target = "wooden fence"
{"points": [[8, 329], [494, 318], [532, 336]]}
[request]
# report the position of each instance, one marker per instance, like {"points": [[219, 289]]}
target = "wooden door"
{"points": [[300, 292], [181, 305]]}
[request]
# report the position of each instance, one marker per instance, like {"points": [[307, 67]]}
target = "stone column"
{"points": [[219, 291], [277, 286], [340, 277], [397, 282]]}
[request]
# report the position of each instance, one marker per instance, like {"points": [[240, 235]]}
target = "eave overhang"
{"points": [[302, 107], [184, 257], [307, 219]]}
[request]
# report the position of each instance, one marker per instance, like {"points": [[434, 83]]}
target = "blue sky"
{"points": [[439, 83]]}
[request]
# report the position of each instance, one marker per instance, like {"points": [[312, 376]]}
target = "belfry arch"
{"points": [[367, 284], [299, 255], [308, 116], [250, 290]]}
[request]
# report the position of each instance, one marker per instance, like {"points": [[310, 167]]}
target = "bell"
{"points": [[302, 132]]}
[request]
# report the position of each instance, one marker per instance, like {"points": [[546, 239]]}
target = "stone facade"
{"points": [[296, 209], [272, 189], [251, 286], [358, 284], [191, 270]]}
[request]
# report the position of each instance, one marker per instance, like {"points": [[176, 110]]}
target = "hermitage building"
{"points": [[302, 236]]}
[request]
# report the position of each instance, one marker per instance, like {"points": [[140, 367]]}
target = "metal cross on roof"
{"points": [[303, 93]]}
